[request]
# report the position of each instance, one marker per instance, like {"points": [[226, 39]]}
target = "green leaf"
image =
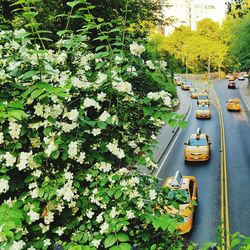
{"points": [[235, 242], [153, 247], [36, 93], [148, 110], [110, 241], [125, 246], [73, 4], [182, 124], [122, 237], [172, 123], [17, 114], [30, 14]]}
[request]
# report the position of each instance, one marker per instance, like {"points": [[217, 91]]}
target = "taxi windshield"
{"points": [[234, 102], [202, 107], [197, 142], [181, 196], [202, 97]]}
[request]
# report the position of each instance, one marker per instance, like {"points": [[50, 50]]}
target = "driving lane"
{"points": [[207, 214], [237, 134]]}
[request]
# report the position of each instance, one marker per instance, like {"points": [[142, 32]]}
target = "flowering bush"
{"points": [[73, 126]]}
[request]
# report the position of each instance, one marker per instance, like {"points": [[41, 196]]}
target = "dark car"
{"points": [[231, 85]]}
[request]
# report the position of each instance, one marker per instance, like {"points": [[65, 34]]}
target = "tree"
{"points": [[238, 8], [240, 43]]}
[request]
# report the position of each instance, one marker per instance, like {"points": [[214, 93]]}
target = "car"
{"points": [[197, 148], [231, 85], [187, 187], [241, 77], [203, 99], [186, 84], [203, 111], [193, 92], [233, 105], [227, 76], [231, 78], [245, 74], [178, 82], [177, 77]]}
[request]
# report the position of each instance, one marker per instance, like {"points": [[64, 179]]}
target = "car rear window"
{"points": [[202, 97], [197, 142]]}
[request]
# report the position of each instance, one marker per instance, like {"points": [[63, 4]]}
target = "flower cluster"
{"points": [[71, 126]]}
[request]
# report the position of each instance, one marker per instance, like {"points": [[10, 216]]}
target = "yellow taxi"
{"points": [[187, 185], [203, 99], [186, 84], [193, 92], [233, 105], [197, 148], [178, 82], [203, 111]]}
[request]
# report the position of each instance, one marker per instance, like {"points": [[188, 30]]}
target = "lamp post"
{"points": [[186, 64]]}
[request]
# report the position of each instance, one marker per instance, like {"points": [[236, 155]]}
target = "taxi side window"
{"points": [[191, 187]]}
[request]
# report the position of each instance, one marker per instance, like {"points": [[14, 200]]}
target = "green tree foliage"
{"points": [[240, 43], [199, 46], [238, 8]]}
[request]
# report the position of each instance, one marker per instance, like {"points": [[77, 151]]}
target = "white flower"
{"points": [[132, 144], [39, 109], [132, 70], [17, 245], [60, 230], [51, 146], [163, 65], [72, 115], [31, 248], [89, 213], [150, 64], [140, 204], [37, 173], [66, 192], [34, 193], [46, 242], [136, 49], [104, 116], [104, 228], [14, 130], [44, 228], [113, 213], [123, 86], [19, 33], [72, 150], [10, 159], [1, 138], [101, 78], [118, 152], [118, 59], [23, 162], [130, 214], [76, 82], [49, 218], [105, 167], [96, 243], [152, 194], [99, 218], [33, 216], [88, 102], [101, 96], [133, 181], [81, 157], [68, 175], [4, 186], [96, 131], [89, 178]]}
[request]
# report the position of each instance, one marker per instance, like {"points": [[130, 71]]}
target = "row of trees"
{"points": [[211, 46]]}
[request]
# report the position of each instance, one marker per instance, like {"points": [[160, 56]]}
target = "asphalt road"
{"points": [[207, 214], [237, 133]]}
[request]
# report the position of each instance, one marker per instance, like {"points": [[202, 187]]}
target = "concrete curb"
{"points": [[245, 93], [167, 135]]}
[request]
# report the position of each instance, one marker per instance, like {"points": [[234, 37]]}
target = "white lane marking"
{"points": [[243, 97], [175, 139]]}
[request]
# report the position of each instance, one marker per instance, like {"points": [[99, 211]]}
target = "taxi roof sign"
{"points": [[177, 181]]}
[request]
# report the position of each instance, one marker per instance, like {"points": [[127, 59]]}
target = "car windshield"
{"points": [[202, 107], [181, 196], [197, 142], [234, 102], [202, 97]]}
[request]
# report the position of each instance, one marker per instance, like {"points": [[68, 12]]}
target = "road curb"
{"points": [[174, 135], [242, 88]]}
